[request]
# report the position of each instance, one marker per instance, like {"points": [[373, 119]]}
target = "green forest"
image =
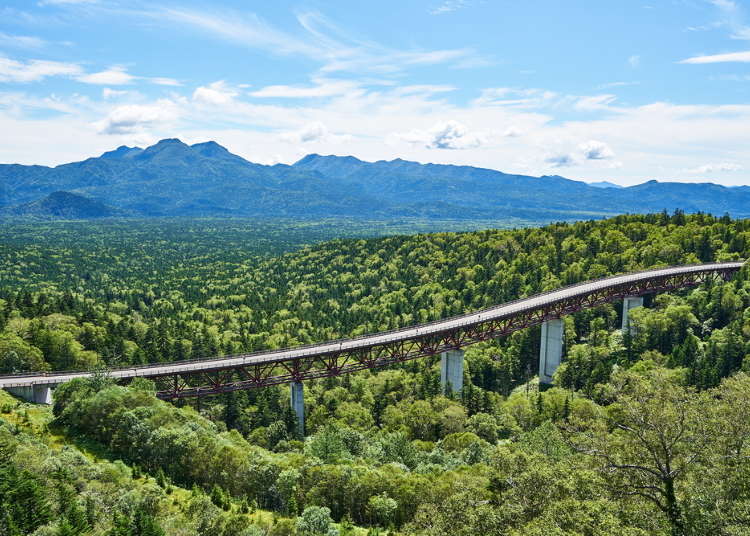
{"points": [[642, 434]]}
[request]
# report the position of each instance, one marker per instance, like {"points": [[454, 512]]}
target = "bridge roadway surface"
{"points": [[367, 341]]}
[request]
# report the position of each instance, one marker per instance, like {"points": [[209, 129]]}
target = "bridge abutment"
{"points": [[297, 391], [38, 394], [627, 305], [551, 349], [452, 370]]}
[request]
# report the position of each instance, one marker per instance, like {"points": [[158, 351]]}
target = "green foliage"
{"points": [[384, 448], [316, 521]]}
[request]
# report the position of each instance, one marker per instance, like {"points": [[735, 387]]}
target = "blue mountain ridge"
{"points": [[171, 178]]}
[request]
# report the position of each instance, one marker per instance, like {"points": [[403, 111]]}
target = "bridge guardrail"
{"points": [[691, 268]]}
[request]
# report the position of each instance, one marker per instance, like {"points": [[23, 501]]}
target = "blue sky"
{"points": [[624, 91]]}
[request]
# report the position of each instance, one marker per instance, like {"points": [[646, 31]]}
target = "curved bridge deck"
{"points": [[230, 373]]}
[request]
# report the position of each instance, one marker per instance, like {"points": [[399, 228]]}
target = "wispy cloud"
{"points": [[595, 102], [109, 93], [587, 151], [114, 76], [137, 118], [320, 40], [21, 41], [444, 135], [743, 57], [721, 167], [35, 70], [449, 6], [733, 16], [517, 98], [322, 88], [66, 2], [246, 29], [316, 131], [164, 81], [634, 61], [218, 93], [616, 84]]}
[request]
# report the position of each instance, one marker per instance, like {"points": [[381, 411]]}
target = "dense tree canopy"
{"points": [[644, 433]]}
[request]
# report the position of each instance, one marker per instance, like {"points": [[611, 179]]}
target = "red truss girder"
{"points": [[248, 376]]}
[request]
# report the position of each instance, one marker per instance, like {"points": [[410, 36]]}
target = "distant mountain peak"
{"points": [[209, 143], [315, 157], [166, 146], [210, 148], [605, 184], [171, 178], [169, 141], [123, 151]]}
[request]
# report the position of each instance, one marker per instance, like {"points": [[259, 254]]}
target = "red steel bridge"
{"points": [[333, 358]]}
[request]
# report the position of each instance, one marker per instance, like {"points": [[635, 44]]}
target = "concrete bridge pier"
{"points": [[627, 305], [38, 394], [551, 349], [298, 405], [452, 370]]}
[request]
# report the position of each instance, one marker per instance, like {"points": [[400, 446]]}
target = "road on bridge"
{"points": [[332, 358]]}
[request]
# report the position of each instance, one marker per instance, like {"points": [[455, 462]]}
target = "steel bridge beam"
{"points": [[333, 358], [334, 363]]}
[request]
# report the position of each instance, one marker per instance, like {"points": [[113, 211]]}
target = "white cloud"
{"points": [[713, 168], [109, 93], [35, 70], [314, 132], [322, 88], [660, 140], [514, 97], [562, 160], [742, 57], [616, 84], [596, 150], [732, 17], [634, 61], [320, 41], [136, 118], [21, 41], [444, 135], [587, 151], [65, 2], [217, 93], [162, 81], [243, 28], [114, 76], [449, 6], [595, 102], [424, 89]]}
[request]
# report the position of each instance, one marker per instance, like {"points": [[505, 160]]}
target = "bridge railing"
{"points": [[270, 354]]}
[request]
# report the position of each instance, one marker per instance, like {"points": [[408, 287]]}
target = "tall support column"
{"points": [[38, 394], [43, 394], [627, 305], [550, 351], [298, 405], [452, 370]]}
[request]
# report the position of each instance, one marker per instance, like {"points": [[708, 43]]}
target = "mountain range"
{"points": [[171, 178]]}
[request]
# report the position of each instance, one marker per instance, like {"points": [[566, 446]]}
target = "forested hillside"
{"points": [[641, 435]]}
